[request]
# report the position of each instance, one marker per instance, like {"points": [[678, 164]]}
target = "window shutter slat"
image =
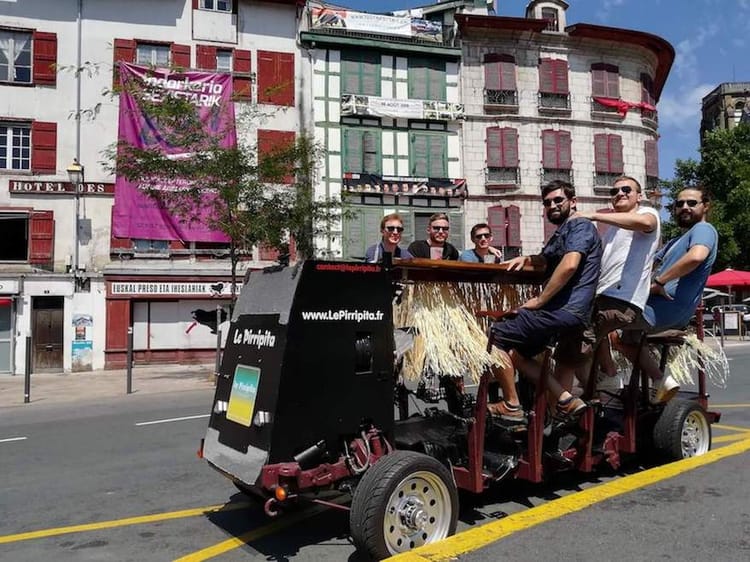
{"points": [[418, 79], [496, 220], [266, 75], [508, 75], [601, 154], [45, 58], [549, 149], [353, 143], [598, 85], [370, 78], [241, 85], [615, 154], [205, 57], [564, 151], [271, 142], [43, 147], [546, 80], [492, 76], [180, 55], [241, 61], [370, 151], [276, 78], [437, 156], [560, 69], [350, 71], [419, 147], [42, 234], [613, 83], [652, 158], [510, 148], [513, 218], [494, 148], [124, 51]]}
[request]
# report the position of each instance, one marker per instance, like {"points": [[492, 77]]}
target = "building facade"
{"points": [[725, 107], [66, 285], [547, 100]]}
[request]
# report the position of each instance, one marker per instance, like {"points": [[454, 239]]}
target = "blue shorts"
{"points": [[533, 330]]}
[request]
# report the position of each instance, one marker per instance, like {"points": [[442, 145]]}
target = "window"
{"points": [[647, 96], [551, 17], [428, 155], [216, 5], [28, 236], [143, 246], [15, 146], [15, 56], [427, 79], [556, 159], [505, 223], [237, 61], [608, 163], [152, 55], [605, 83], [224, 60], [553, 84], [361, 150], [502, 157], [500, 80], [276, 78], [360, 72]]}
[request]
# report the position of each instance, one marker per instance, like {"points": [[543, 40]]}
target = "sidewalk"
{"points": [[147, 379]]}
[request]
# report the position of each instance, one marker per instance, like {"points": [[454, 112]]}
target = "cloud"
{"points": [[681, 111], [607, 7], [686, 59]]}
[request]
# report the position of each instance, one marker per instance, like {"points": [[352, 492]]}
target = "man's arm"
{"points": [[517, 264], [641, 222], [687, 263], [560, 277]]}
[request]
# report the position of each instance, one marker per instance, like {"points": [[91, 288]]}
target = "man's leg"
{"points": [[666, 385], [559, 397], [506, 377]]}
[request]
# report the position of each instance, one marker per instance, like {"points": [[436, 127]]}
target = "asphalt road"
{"points": [[139, 493]]}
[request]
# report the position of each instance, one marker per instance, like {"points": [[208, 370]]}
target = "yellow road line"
{"points": [[731, 427], [712, 406], [483, 535], [729, 438], [138, 520]]}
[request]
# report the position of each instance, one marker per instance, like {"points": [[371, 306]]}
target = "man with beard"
{"points": [[436, 247], [571, 258], [629, 245], [681, 269]]}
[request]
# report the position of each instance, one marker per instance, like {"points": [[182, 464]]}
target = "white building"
{"points": [[548, 100], [65, 283]]}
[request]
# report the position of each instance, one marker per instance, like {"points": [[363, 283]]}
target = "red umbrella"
{"points": [[729, 278]]}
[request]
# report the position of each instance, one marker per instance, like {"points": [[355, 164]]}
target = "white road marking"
{"points": [[9, 439], [173, 420]]}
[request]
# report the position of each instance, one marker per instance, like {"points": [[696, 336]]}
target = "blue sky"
{"points": [[711, 39]]}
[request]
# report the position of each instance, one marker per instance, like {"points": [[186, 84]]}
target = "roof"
{"points": [[661, 48]]}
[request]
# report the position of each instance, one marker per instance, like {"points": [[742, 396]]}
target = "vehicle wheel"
{"points": [[682, 430], [403, 501]]}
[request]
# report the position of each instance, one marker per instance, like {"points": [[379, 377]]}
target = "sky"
{"points": [[710, 38]]}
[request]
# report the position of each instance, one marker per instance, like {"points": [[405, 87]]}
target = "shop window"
{"points": [[427, 79]]}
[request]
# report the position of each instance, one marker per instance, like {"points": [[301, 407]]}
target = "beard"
{"points": [[557, 217], [686, 220]]}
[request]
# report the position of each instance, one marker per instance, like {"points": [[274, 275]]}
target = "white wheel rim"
{"points": [[695, 438], [418, 512]]}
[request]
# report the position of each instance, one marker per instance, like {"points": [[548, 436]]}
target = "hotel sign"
{"points": [[58, 188]]}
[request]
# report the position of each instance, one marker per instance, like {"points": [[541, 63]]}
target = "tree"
{"points": [[254, 199]]}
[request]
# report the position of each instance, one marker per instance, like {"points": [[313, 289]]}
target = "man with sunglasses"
{"points": [[629, 245], [483, 251], [436, 247], [571, 257], [681, 269], [391, 227]]}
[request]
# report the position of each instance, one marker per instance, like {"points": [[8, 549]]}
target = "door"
{"points": [[6, 334], [47, 334]]}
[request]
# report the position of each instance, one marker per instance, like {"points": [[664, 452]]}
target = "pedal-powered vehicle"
{"points": [[304, 406]]}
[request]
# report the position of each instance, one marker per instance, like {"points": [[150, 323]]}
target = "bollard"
{"points": [[129, 368], [27, 373]]}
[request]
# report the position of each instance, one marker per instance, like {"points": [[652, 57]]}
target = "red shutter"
{"points": [[242, 84], [496, 220], [180, 55], [615, 154], [276, 78], [546, 79], [45, 58], [601, 153], [513, 217], [598, 82], [560, 70], [510, 147], [205, 57], [195, 4], [43, 147], [124, 50], [271, 141], [608, 154], [613, 83], [549, 228], [117, 243], [564, 158], [492, 80], [549, 149], [499, 72], [42, 230], [605, 80], [494, 147], [652, 158]]}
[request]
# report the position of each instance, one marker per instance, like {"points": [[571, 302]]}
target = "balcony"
{"points": [[603, 182], [551, 174], [501, 101], [558, 104], [650, 119], [375, 106], [501, 179], [604, 112]]}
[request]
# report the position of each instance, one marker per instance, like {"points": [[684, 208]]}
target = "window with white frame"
{"points": [[152, 54], [15, 56], [224, 60], [216, 5], [15, 146]]}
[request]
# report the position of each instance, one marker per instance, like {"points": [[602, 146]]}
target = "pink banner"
{"points": [[136, 214]]}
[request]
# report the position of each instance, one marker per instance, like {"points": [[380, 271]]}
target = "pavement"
{"points": [[58, 388]]}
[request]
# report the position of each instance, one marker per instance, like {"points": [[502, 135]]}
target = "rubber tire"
{"points": [[376, 486], [668, 428]]}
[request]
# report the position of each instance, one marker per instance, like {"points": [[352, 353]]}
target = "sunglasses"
{"points": [[680, 203], [394, 228], [483, 235], [555, 200], [626, 189], [439, 228]]}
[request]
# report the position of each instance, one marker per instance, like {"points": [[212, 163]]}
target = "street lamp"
{"points": [[76, 177]]}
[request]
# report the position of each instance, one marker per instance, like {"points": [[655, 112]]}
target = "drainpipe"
{"points": [[78, 140]]}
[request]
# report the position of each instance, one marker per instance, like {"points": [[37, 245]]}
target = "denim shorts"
{"points": [[533, 330]]}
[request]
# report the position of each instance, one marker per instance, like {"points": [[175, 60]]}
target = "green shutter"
{"points": [[370, 152], [352, 150], [419, 154], [438, 157], [457, 232], [361, 231], [427, 79], [360, 73]]}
